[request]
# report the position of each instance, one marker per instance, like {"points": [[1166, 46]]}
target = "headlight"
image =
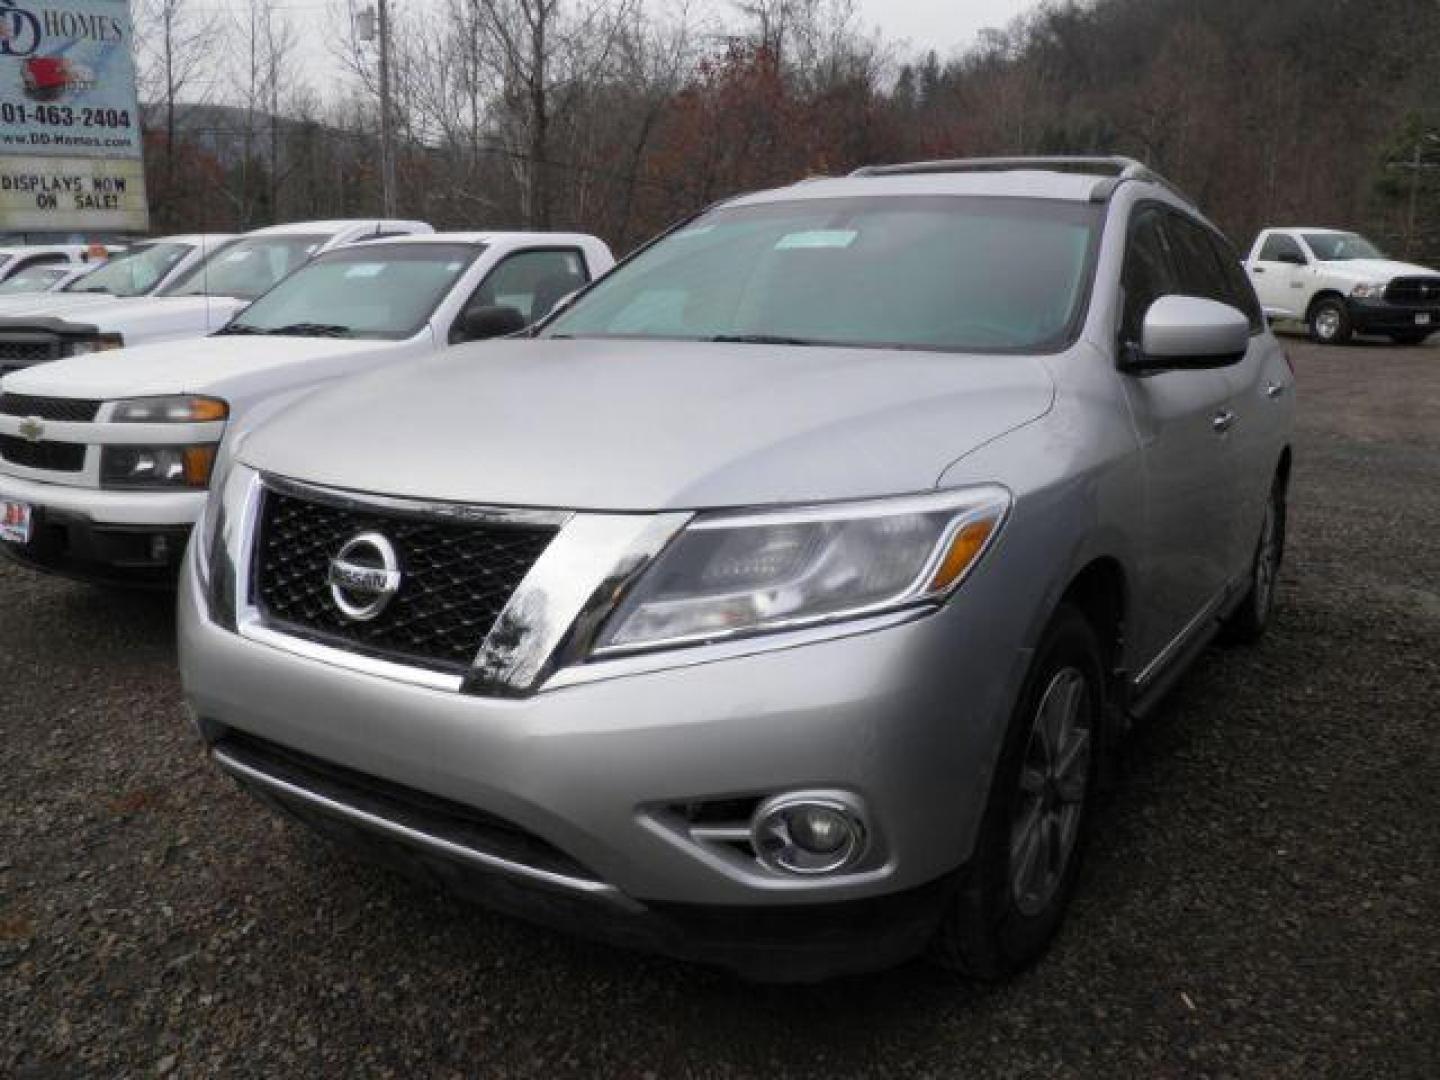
{"points": [[178, 409], [1369, 292], [98, 343], [728, 574], [162, 467]]}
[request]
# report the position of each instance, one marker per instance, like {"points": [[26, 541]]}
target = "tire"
{"points": [[1410, 337], [1002, 920], [1329, 321], [1246, 624]]}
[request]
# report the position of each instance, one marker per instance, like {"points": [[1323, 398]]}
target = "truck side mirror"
{"points": [[490, 321]]}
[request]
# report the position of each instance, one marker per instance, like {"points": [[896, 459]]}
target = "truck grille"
{"points": [[1419, 291], [51, 456], [457, 576], [68, 410], [15, 355]]}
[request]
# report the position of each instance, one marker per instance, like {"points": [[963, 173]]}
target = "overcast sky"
{"points": [[942, 25]]}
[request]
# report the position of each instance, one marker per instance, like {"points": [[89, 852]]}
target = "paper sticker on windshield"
{"points": [[817, 238], [363, 270]]}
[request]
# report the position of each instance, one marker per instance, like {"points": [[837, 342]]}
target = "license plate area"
{"points": [[1422, 318], [16, 522]]}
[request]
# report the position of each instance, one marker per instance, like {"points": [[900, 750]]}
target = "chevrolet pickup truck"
{"points": [[105, 459], [193, 305], [1338, 284]]}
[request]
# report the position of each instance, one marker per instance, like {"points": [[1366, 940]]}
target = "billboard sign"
{"points": [[70, 143]]}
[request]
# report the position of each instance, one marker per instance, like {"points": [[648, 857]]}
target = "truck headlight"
{"points": [[98, 343], [175, 409], [157, 467], [1369, 292], [728, 574]]}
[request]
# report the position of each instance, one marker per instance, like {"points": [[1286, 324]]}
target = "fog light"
{"points": [[808, 833]]}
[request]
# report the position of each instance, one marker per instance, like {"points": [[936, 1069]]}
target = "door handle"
{"points": [[1274, 390], [1222, 421], [1257, 269]]}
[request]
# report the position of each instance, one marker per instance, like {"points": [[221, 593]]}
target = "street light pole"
{"points": [[1416, 166], [387, 133]]}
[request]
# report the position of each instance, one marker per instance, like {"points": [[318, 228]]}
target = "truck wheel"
{"points": [[1410, 338], [1330, 322], [1018, 884]]}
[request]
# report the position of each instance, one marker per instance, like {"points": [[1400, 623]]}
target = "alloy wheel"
{"points": [[1051, 797]]}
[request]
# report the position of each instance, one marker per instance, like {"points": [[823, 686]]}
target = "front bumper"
{"points": [[906, 719], [116, 537], [1382, 317]]}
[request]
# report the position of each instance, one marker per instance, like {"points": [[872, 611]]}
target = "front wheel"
{"points": [[1019, 882], [1248, 621], [1330, 322]]}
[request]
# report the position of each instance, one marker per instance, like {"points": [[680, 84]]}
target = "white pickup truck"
{"points": [[193, 304], [142, 269], [1339, 284], [105, 459]]}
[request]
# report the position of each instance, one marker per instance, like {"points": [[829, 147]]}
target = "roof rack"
{"points": [[1117, 170]]}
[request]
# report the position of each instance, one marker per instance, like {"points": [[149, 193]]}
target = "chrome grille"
{"points": [[456, 577]]}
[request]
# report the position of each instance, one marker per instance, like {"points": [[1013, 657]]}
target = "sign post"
{"points": [[71, 156]]}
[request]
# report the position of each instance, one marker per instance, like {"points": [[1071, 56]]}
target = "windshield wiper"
{"points": [[239, 328], [310, 329], [763, 339]]}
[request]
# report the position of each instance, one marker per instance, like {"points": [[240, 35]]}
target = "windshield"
{"points": [[34, 279], [371, 291], [1341, 247], [134, 273], [247, 268], [937, 272]]}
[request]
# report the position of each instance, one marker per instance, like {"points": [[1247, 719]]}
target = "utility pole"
{"points": [[375, 23], [1415, 166]]}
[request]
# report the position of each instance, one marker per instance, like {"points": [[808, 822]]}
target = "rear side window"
{"points": [[1278, 247], [1147, 275]]}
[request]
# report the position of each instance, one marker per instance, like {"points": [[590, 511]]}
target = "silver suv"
{"points": [[777, 603]]}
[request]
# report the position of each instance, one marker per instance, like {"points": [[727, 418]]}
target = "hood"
{"points": [[631, 425], [61, 303], [1374, 271], [159, 318], [193, 366]]}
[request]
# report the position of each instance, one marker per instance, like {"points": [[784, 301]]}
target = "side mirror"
{"points": [[492, 321], [1190, 332]]}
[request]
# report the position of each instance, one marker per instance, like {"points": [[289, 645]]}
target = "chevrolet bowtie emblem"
{"points": [[31, 429]]}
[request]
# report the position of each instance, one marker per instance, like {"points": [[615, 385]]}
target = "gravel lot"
{"points": [[1262, 898]]}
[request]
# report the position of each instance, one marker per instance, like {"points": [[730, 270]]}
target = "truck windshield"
{"points": [[247, 268], [955, 273], [33, 279], [371, 291], [134, 273], [1341, 247]]}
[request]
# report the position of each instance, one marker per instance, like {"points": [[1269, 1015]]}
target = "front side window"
{"points": [[532, 282], [134, 273], [962, 273], [1147, 275], [247, 268], [1280, 248], [386, 291], [1341, 247]]}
